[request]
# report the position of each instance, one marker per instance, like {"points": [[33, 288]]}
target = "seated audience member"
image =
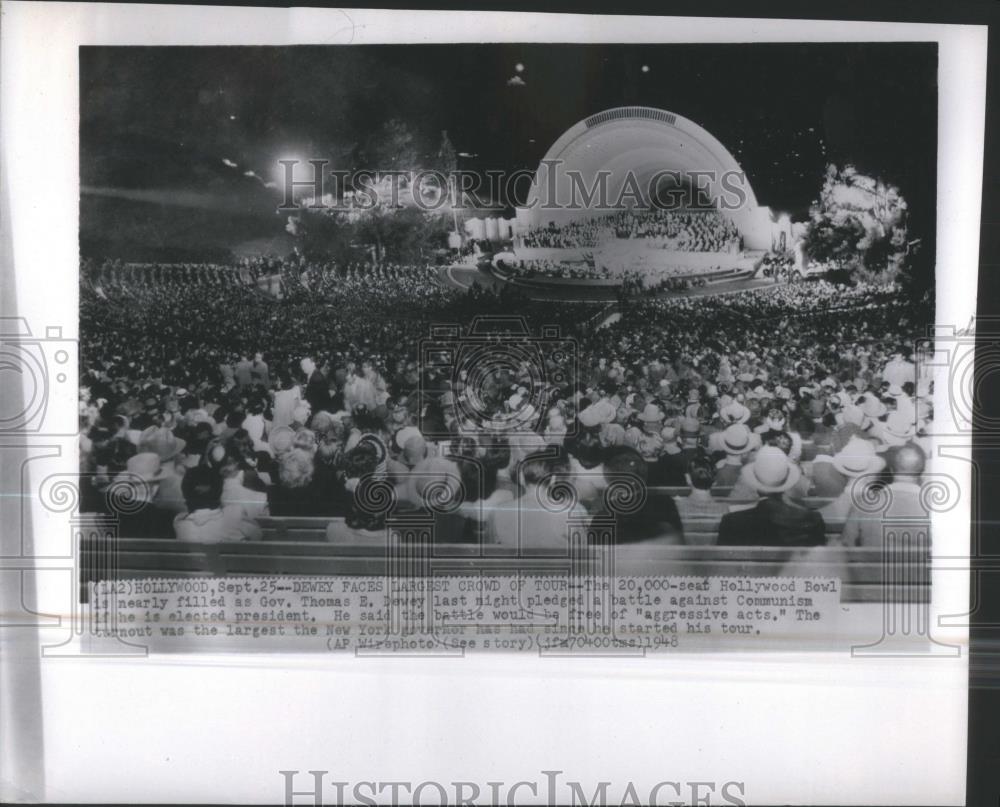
{"points": [[834, 477], [737, 442], [170, 450], [366, 511], [778, 519], [538, 520], [436, 488], [669, 470], [906, 462], [744, 489], [479, 467], [227, 464], [297, 492], [638, 514], [136, 487], [586, 457], [206, 520], [700, 503]]}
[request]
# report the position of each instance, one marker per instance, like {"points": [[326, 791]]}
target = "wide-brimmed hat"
{"points": [[897, 429], [405, 434], [161, 442], [854, 414], [734, 412], [871, 406], [146, 466], [589, 418], [857, 457], [651, 414], [736, 439], [604, 411], [281, 438], [771, 471]]}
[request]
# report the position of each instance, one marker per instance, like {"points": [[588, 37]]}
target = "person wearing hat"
{"points": [[668, 470], [897, 429], [647, 440], [850, 423], [734, 412], [139, 483], [906, 463], [170, 450], [777, 520], [227, 461], [871, 407], [206, 520], [693, 408], [737, 442], [835, 477], [690, 440]]}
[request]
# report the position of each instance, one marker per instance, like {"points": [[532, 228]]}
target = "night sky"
{"points": [[157, 123]]}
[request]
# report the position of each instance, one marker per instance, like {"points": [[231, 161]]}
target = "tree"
{"points": [[858, 222], [392, 147], [447, 159]]}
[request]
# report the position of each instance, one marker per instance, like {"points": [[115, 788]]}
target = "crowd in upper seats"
{"points": [[683, 230], [215, 405]]}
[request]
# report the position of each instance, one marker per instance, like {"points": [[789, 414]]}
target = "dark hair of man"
{"points": [[701, 469], [587, 449], [541, 465], [202, 489]]}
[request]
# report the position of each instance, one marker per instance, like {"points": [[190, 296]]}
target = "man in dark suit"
{"points": [[639, 514], [777, 520], [317, 391]]}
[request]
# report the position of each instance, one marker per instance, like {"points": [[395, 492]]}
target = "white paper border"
{"points": [[810, 729]]}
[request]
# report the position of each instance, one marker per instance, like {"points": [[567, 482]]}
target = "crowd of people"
{"points": [[663, 228], [778, 265], [547, 268], [635, 279], [213, 405]]}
